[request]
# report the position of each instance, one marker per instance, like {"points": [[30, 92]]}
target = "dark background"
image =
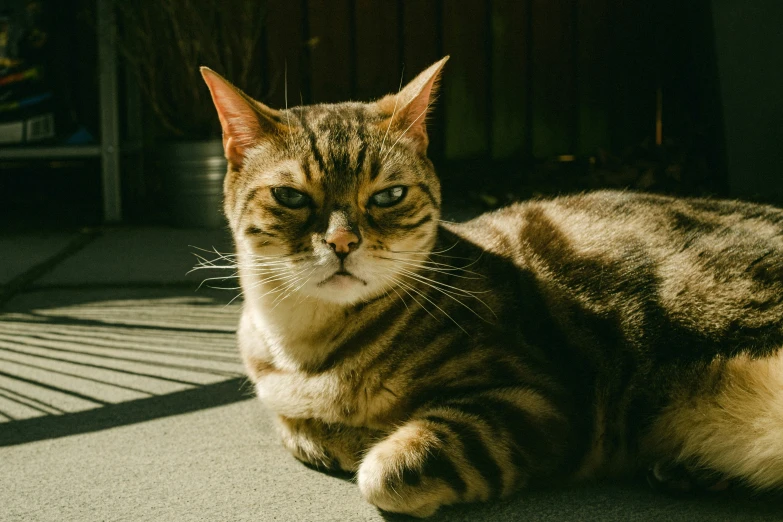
{"points": [[540, 97]]}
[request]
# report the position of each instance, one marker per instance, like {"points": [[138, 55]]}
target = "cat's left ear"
{"points": [[245, 122], [407, 110]]}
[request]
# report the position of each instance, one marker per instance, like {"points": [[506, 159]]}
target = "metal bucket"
{"points": [[194, 173]]}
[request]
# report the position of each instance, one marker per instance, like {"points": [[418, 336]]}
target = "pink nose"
{"points": [[342, 240]]}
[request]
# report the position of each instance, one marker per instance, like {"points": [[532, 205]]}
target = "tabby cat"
{"points": [[586, 336]]}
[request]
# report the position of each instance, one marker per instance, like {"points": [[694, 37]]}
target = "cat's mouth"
{"points": [[342, 277]]}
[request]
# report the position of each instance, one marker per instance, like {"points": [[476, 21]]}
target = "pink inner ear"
{"points": [[234, 154], [240, 131], [239, 121], [415, 119], [413, 103]]}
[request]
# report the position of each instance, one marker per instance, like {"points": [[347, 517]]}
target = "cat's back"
{"points": [[612, 224], [694, 271]]}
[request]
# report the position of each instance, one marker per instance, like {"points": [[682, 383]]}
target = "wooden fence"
{"points": [[527, 79]]}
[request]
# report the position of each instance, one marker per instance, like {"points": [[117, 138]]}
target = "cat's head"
{"points": [[336, 202]]}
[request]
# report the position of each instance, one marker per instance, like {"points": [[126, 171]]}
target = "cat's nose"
{"points": [[343, 241]]}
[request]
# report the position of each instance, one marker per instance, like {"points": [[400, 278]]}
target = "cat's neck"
{"points": [[293, 327]]}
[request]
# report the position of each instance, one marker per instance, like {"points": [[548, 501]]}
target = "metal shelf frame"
{"points": [[55, 151], [109, 106], [109, 148]]}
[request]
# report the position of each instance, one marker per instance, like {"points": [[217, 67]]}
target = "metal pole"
{"points": [[109, 121]]}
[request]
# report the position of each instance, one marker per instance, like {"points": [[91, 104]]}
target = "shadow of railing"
{"points": [[90, 363], [122, 414]]}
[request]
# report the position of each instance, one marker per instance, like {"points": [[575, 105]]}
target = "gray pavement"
{"points": [[122, 398], [36, 248]]}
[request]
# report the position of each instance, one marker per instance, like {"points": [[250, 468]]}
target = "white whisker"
{"points": [[439, 253], [404, 289], [452, 296], [391, 279], [435, 267], [467, 293], [287, 114], [406, 130], [412, 288], [223, 278], [256, 284], [394, 111], [256, 264], [289, 289], [240, 294], [292, 291]]}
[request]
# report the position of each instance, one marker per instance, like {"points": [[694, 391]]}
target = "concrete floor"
{"points": [[122, 398]]}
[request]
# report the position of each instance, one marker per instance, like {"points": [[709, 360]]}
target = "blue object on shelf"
{"points": [[81, 137]]}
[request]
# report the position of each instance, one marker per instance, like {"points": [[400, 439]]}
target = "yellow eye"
{"points": [[289, 197], [389, 197]]}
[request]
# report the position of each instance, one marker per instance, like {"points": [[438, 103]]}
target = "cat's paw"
{"points": [[322, 446], [680, 478], [311, 453], [409, 472]]}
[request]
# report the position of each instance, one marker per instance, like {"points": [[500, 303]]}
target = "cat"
{"points": [[581, 337]]}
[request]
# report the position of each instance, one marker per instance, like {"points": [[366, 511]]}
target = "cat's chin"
{"points": [[343, 289], [342, 280]]}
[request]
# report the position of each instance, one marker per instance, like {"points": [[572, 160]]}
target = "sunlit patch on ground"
{"points": [[59, 357]]}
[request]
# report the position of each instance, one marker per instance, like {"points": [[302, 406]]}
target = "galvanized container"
{"points": [[193, 173]]}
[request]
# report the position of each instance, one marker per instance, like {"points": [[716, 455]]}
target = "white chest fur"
{"points": [[339, 395]]}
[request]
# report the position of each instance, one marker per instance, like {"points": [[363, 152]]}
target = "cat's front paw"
{"points": [[410, 472], [679, 478], [323, 446], [311, 452]]}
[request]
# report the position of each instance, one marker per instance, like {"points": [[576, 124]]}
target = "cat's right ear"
{"points": [[408, 108], [245, 122]]}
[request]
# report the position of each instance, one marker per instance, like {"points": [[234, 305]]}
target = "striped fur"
{"points": [[582, 337]]}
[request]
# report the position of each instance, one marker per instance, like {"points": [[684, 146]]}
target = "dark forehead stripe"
{"points": [[375, 167], [360, 157], [334, 134], [306, 169], [339, 147], [352, 126], [311, 137]]}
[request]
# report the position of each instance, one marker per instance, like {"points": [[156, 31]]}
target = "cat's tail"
{"points": [[735, 428]]}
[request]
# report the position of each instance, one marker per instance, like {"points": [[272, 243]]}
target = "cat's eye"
{"points": [[390, 196], [289, 197]]}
